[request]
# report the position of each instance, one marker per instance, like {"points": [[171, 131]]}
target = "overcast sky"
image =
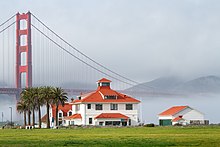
{"points": [[141, 39]]}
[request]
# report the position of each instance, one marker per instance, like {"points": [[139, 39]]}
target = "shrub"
{"points": [[149, 125], [178, 124]]}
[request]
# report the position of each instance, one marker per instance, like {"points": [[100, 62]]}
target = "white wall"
{"points": [[166, 117], [183, 112], [76, 122], [183, 122], [92, 113], [51, 115], [193, 115]]}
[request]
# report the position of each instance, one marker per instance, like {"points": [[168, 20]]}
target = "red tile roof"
{"points": [[107, 91], [74, 116], [44, 118], [97, 96], [112, 115], [64, 109], [103, 80], [173, 110], [177, 119]]}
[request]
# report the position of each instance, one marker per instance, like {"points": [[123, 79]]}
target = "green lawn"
{"points": [[139, 136]]}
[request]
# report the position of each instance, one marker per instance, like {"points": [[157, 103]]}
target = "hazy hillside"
{"points": [[209, 84], [163, 84], [175, 85]]}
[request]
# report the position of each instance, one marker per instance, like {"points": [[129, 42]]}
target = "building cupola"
{"points": [[104, 83]]}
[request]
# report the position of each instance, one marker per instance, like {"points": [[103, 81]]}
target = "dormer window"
{"points": [[110, 97]]}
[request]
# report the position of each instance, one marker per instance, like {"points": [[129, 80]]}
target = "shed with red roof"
{"points": [[182, 115]]}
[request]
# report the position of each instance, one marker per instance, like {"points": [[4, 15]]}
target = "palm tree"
{"points": [[39, 102], [59, 97], [25, 97], [33, 94], [47, 96], [22, 108]]}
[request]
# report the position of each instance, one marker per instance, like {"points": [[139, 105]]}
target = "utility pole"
{"points": [[11, 115], [2, 117]]}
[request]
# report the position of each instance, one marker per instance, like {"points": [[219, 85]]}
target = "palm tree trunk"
{"points": [[25, 122], [48, 119], [39, 116], [33, 117], [57, 115], [29, 117]]}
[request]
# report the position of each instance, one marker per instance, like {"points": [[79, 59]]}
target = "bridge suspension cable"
{"points": [[79, 58], [131, 82], [68, 48], [7, 20], [7, 27], [7, 52]]}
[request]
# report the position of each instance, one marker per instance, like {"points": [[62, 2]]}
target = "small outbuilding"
{"points": [[183, 115]]}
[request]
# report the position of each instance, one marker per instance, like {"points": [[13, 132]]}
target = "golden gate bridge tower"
{"points": [[25, 49]]}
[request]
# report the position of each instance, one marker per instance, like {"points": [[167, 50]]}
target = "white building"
{"points": [[63, 111], [103, 107], [183, 115]]}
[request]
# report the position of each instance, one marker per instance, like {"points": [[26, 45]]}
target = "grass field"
{"points": [[139, 136]]}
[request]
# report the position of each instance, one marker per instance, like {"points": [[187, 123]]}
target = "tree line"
{"points": [[34, 98]]}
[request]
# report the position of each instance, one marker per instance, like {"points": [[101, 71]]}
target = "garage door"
{"points": [[165, 122]]}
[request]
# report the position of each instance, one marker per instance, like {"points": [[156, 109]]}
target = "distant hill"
{"points": [[175, 85], [209, 84], [163, 84]]}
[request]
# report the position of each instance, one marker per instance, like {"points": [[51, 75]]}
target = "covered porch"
{"points": [[112, 119]]}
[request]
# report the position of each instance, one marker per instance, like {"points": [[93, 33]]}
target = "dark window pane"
{"points": [[90, 120], [105, 84], [98, 107], [110, 97], [88, 106], [129, 107]]}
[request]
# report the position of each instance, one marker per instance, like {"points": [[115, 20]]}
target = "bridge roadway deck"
{"points": [[17, 91]]}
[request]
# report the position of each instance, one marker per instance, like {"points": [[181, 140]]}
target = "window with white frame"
{"points": [[98, 106], [70, 113], [60, 114], [113, 106]]}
